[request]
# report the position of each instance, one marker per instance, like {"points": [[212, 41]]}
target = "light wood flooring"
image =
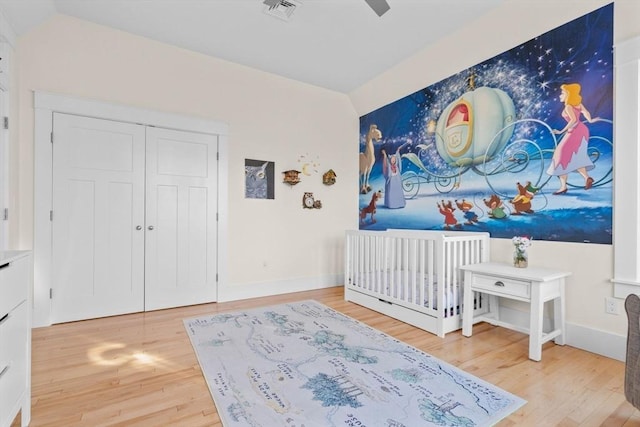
{"points": [[140, 369]]}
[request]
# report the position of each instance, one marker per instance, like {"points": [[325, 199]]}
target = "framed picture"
{"points": [[258, 179]]}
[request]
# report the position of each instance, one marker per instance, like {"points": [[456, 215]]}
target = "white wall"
{"points": [[274, 245], [511, 24]]}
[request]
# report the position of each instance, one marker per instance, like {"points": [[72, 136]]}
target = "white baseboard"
{"points": [[277, 287], [596, 341], [592, 340]]}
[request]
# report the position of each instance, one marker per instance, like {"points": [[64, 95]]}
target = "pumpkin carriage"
{"points": [[477, 132]]}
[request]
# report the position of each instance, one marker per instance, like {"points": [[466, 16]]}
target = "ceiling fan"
{"points": [[380, 7]]}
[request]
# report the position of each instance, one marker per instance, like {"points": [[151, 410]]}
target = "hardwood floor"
{"points": [[140, 369]]}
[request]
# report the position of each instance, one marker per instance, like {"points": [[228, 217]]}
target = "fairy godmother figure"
{"points": [[392, 171]]}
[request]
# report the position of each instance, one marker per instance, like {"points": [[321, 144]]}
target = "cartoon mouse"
{"points": [[496, 207], [469, 215], [447, 209], [522, 202]]}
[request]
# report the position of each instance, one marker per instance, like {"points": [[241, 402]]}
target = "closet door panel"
{"points": [[119, 252], [181, 211], [98, 201], [80, 243], [197, 235], [166, 237]]}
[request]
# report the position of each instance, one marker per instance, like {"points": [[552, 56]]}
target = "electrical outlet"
{"points": [[611, 305]]}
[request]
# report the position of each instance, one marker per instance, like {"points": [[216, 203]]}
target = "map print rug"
{"points": [[306, 365]]}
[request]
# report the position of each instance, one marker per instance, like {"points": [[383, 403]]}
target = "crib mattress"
{"points": [[390, 284]]}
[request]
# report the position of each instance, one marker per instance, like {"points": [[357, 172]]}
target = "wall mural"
{"points": [[521, 144]]}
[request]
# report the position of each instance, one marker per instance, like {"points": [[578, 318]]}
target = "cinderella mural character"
{"points": [[571, 153], [392, 171]]}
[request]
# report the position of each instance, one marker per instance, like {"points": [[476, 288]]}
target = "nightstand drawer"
{"points": [[493, 284]]}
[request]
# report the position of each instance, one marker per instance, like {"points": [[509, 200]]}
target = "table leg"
{"points": [[467, 309], [558, 315], [535, 320]]}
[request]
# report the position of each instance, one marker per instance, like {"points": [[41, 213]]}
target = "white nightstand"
{"points": [[532, 285]]}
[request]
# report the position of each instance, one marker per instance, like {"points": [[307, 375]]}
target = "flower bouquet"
{"points": [[520, 256]]}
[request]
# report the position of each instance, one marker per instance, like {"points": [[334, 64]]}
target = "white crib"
{"points": [[412, 275]]}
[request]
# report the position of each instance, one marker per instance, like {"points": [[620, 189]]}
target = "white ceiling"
{"points": [[335, 44]]}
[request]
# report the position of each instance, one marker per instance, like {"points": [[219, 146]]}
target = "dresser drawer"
{"points": [[13, 288], [493, 284], [13, 361]]}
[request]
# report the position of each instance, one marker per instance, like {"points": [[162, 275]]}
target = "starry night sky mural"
{"points": [[475, 151]]}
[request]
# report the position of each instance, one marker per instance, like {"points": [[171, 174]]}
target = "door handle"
{"points": [[138, 227], [150, 227]]}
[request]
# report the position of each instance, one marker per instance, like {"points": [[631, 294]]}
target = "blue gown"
{"points": [[393, 193]]}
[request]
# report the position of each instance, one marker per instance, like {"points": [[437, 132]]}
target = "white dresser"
{"points": [[532, 285], [15, 336]]}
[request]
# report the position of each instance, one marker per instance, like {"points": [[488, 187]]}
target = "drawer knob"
{"points": [[499, 283]]}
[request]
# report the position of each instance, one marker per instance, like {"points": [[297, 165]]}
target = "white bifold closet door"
{"points": [[181, 205], [134, 218], [98, 202]]}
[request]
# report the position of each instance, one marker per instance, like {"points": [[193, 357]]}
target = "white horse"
{"points": [[368, 158]]}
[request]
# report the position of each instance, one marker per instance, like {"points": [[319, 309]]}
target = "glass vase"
{"points": [[520, 258]]}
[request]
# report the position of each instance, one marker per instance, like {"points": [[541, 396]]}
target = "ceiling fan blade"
{"points": [[378, 6]]}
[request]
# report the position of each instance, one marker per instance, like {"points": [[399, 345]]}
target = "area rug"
{"points": [[305, 364]]}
